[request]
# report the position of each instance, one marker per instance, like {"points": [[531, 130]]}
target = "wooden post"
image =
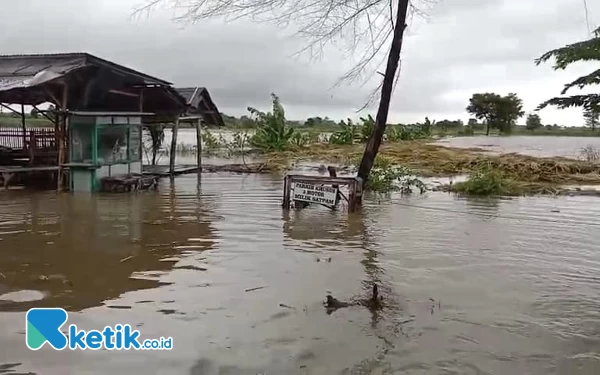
{"points": [[62, 130], [23, 125], [32, 147], [333, 174], [141, 150], [199, 145], [173, 148], [287, 191], [359, 191], [352, 196]]}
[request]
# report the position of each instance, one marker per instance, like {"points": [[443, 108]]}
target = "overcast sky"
{"points": [[465, 46]]}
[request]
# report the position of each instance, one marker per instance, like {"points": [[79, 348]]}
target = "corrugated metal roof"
{"points": [[199, 99], [28, 71], [188, 93], [24, 71]]}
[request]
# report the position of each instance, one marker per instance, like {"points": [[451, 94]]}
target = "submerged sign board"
{"points": [[315, 193]]}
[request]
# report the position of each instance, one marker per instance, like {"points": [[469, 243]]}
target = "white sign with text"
{"points": [[315, 193]]}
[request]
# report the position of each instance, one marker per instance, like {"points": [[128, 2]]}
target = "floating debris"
{"points": [[126, 259], [257, 288], [190, 268]]}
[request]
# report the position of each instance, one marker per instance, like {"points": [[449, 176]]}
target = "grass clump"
{"points": [[485, 181], [590, 154]]}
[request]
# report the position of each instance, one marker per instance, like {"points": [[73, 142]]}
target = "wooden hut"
{"points": [[100, 107]]}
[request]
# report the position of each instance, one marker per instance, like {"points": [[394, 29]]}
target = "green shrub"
{"points": [[210, 141], [590, 154], [467, 131], [397, 133], [485, 180], [300, 139], [385, 177], [346, 135], [238, 145], [367, 128]]}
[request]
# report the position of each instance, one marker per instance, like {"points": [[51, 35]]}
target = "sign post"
{"points": [[325, 195], [321, 190]]}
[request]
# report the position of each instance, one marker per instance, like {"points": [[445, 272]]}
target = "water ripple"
{"points": [[470, 285]]}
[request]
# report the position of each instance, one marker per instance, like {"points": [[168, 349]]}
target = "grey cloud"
{"points": [[465, 45]]}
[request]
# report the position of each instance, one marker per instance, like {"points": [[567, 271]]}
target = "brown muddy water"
{"points": [[539, 146], [470, 286]]}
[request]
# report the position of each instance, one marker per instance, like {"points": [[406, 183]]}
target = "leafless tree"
{"points": [[359, 27]]}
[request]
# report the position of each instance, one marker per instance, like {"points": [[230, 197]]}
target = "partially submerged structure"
{"points": [[100, 108]]}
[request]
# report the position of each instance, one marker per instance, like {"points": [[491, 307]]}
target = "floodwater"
{"points": [[540, 146], [469, 286]]}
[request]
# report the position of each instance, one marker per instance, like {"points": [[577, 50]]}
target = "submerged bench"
{"points": [[125, 183]]}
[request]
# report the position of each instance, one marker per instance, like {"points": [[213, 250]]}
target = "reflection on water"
{"points": [[81, 250], [469, 286]]}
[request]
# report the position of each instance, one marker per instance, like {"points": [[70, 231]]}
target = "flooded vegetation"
{"points": [[468, 286]]}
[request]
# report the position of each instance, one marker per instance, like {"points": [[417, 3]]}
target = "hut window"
{"points": [[135, 143], [82, 135], [112, 144]]}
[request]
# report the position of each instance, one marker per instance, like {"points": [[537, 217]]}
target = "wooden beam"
{"points": [[124, 93], [43, 113], [173, 148], [55, 100], [10, 109], [322, 180]]}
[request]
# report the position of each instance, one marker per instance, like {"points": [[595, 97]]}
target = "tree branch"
{"points": [[588, 50], [590, 79], [588, 102]]}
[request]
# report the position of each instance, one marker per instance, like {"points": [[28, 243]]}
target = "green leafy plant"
{"points": [[386, 177], [346, 135], [397, 133], [211, 142], [485, 180], [467, 131], [272, 133], [426, 127], [300, 139], [240, 141], [367, 127], [393, 133]]}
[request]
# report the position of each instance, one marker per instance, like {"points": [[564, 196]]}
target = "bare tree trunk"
{"points": [[376, 137]]}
